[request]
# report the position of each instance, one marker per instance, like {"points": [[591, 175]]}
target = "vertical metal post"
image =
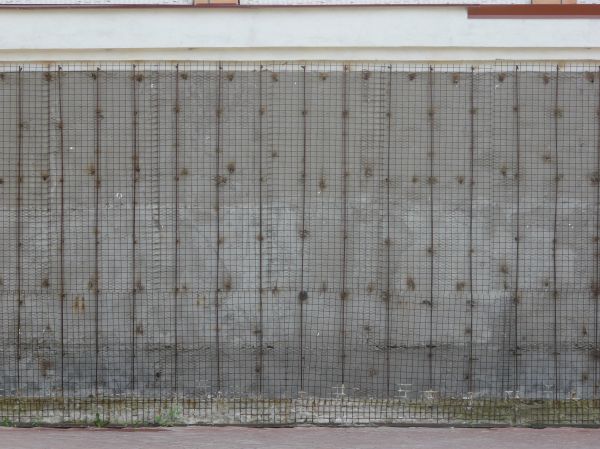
{"points": [[303, 296], [516, 293], [61, 246], [218, 151], [596, 282], [261, 235], [19, 223], [596, 286], [555, 353], [471, 250], [135, 178], [345, 174], [388, 287], [97, 182], [176, 111], [431, 183]]}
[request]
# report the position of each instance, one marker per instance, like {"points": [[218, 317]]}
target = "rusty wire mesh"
{"points": [[289, 243]]}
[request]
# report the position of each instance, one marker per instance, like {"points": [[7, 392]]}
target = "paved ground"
{"points": [[300, 438]]}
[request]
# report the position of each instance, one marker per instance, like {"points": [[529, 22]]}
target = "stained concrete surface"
{"points": [[410, 278], [300, 438]]}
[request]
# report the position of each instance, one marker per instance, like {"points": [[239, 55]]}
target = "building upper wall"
{"points": [[311, 33]]}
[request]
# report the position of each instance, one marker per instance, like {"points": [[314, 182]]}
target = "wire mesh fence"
{"points": [[287, 243]]}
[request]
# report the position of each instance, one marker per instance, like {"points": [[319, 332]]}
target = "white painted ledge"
{"points": [[349, 33]]}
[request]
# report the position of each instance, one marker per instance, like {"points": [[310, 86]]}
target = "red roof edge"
{"points": [[534, 12]]}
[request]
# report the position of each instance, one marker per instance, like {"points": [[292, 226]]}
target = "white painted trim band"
{"points": [[312, 33]]}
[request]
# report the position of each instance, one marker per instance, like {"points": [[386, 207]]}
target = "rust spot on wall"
{"points": [[139, 287], [546, 78], [79, 304], [322, 184], [516, 298], [558, 113], [595, 287], [227, 284], [92, 283], [385, 296], [45, 366]]}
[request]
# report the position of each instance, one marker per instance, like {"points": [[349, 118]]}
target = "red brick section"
{"points": [[537, 11]]}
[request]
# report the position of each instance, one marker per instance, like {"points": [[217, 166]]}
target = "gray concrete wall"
{"points": [[244, 231]]}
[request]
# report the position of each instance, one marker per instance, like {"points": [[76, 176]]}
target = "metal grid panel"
{"points": [[300, 243]]}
